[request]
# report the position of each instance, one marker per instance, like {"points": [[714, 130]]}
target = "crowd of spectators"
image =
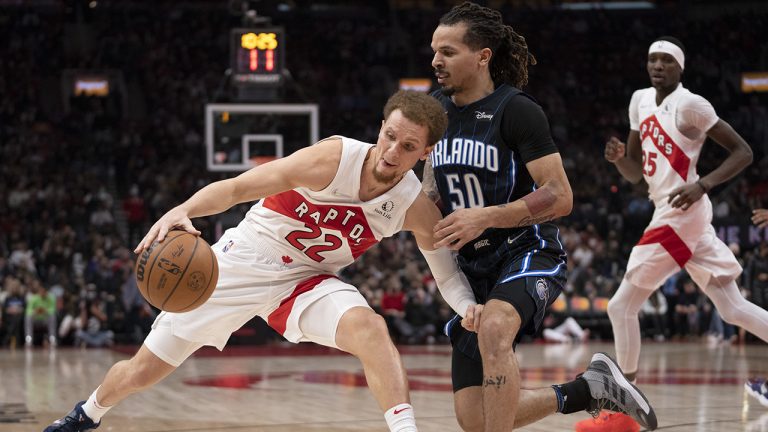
{"points": [[82, 178]]}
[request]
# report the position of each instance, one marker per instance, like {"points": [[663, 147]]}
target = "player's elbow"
{"points": [[564, 204], [746, 156]]}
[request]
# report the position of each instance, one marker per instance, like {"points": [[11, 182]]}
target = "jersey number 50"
{"points": [[465, 191]]}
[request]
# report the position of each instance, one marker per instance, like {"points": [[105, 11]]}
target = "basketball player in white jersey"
{"points": [[322, 207], [668, 126]]}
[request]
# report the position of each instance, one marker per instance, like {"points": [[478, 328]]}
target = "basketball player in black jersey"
{"points": [[500, 180]]}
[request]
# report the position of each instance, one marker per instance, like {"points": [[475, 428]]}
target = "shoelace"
{"points": [[598, 405]]}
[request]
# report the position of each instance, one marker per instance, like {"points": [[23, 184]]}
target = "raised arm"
{"points": [[313, 167], [453, 285]]}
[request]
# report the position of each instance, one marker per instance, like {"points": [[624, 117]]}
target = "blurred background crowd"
{"points": [[83, 178]]}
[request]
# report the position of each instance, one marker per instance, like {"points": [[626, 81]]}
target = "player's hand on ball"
{"points": [[471, 318], [614, 150], [175, 218]]}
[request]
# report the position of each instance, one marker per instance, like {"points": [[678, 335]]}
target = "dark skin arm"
{"points": [[627, 158], [739, 158]]}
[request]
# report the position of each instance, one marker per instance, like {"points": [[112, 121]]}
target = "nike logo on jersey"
{"points": [[464, 151], [513, 240]]}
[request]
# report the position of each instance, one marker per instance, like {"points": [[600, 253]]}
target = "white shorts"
{"points": [[678, 239], [250, 285]]}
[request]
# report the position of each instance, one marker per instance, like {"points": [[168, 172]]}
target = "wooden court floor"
{"points": [[305, 388]]}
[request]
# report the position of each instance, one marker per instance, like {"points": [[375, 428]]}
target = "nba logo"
{"points": [[228, 246]]}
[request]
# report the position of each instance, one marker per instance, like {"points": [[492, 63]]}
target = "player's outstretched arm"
{"points": [[628, 157], [453, 285], [313, 167]]}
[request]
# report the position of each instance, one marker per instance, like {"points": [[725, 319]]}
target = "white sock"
{"points": [[400, 418], [93, 409]]}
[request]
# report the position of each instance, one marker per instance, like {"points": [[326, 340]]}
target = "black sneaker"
{"points": [[611, 391], [75, 421]]}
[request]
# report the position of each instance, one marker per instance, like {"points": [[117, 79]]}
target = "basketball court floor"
{"points": [[307, 388]]}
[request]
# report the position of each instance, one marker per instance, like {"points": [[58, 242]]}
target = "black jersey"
{"points": [[480, 162]]}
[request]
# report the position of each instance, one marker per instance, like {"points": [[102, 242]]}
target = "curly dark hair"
{"points": [[485, 29]]}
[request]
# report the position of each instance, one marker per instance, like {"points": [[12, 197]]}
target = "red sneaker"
{"points": [[608, 422]]}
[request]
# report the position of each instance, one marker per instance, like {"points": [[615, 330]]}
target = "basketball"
{"points": [[177, 274]]}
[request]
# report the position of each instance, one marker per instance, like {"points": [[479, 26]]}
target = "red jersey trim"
{"points": [[279, 317], [668, 239]]}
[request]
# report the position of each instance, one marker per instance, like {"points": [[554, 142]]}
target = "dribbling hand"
{"points": [[175, 218], [614, 150]]}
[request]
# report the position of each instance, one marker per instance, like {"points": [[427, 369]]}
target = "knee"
{"points": [[497, 333], [470, 418], [615, 309], [730, 315], [370, 334]]}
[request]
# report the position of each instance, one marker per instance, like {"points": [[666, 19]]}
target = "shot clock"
{"points": [[257, 56]]}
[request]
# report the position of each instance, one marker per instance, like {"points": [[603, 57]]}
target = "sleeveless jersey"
{"points": [[476, 165], [324, 231], [669, 156]]}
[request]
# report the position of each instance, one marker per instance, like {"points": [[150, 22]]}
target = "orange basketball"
{"points": [[178, 274]]}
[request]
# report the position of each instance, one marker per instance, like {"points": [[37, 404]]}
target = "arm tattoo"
{"points": [[494, 381], [530, 220], [539, 201]]}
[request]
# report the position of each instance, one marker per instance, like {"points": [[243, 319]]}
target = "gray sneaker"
{"points": [[611, 391]]}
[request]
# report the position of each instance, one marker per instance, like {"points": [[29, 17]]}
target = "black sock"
{"points": [[575, 396]]}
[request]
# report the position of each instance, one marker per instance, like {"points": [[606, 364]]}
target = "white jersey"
{"points": [[323, 231], [672, 135]]}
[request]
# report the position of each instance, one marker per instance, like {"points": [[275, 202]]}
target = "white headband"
{"points": [[669, 48]]}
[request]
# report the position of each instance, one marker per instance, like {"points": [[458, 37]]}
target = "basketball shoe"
{"points": [[75, 421], [758, 389], [611, 391]]}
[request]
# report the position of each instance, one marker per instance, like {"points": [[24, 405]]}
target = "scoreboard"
{"points": [[257, 56]]}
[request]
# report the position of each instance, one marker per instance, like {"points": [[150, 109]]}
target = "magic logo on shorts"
{"points": [[542, 288]]}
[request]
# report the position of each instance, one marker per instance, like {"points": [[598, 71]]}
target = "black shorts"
{"points": [[532, 284]]}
